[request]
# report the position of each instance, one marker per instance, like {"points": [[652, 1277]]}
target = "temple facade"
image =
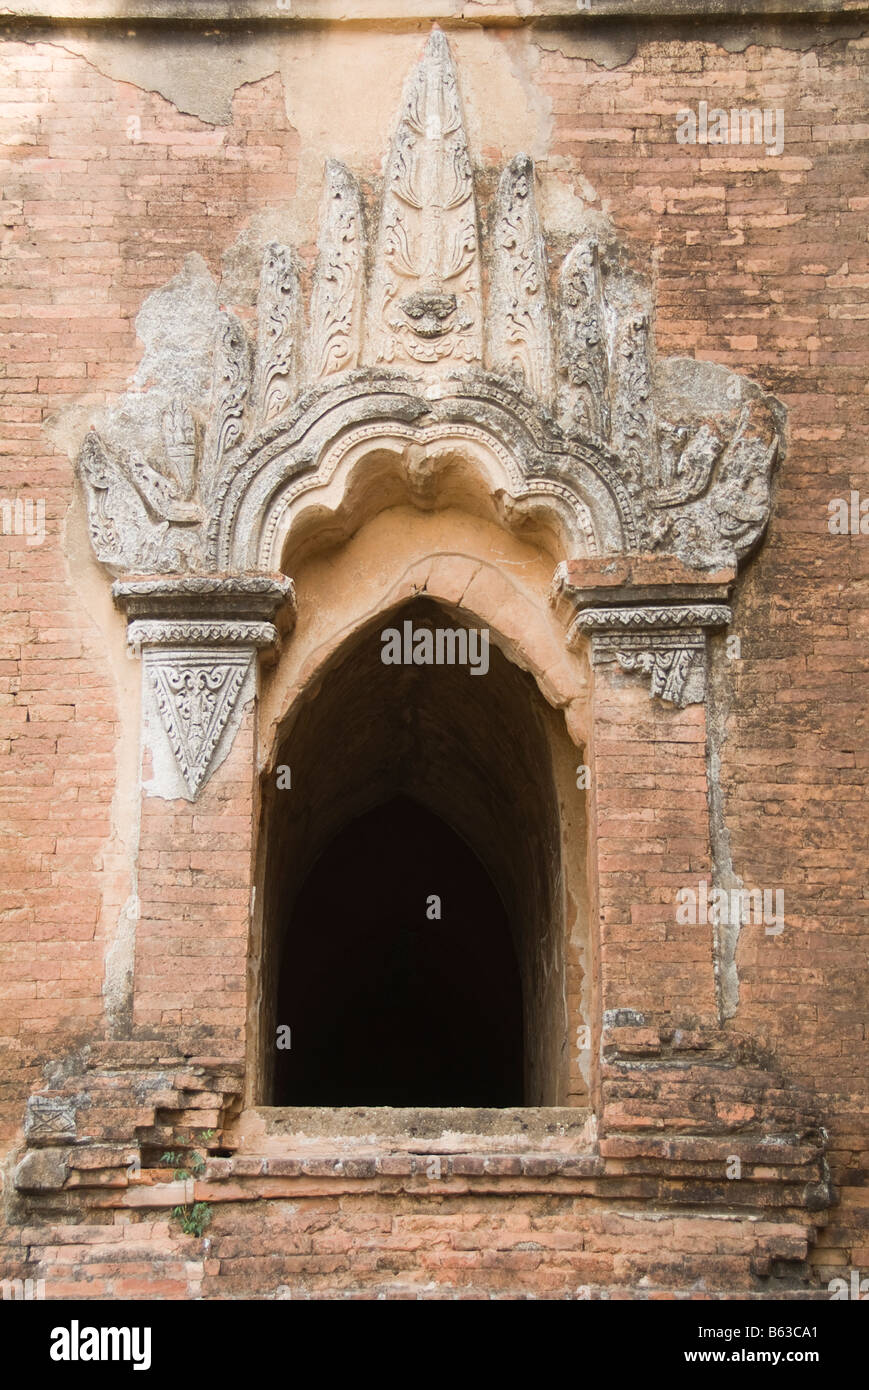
{"points": [[434, 650]]}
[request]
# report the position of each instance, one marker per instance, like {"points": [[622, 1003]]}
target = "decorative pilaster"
{"points": [[198, 637], [649, 615]]}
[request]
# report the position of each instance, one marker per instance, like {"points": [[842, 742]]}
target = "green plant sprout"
{"points": [[196, 1218]]}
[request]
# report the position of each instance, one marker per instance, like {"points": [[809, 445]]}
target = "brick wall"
{"points": [[92, 221], [653, 839]]}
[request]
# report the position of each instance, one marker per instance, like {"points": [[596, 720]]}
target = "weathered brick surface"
{"points": [[761, 263], [440, 1248], [194, 884], [652, 839]]}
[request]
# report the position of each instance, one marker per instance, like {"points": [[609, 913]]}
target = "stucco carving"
{"points": [[336, 302], [425, 299], [230, 387], [583, 364], [199, 636], [279, 311], [650, 616], [144, 633], [133, 521], [647, 455], [196, 692], [520, 334], [564, 408], [676, 673]]}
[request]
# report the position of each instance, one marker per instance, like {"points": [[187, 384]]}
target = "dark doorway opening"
{"points": [[387, 1002], [458, 769]]}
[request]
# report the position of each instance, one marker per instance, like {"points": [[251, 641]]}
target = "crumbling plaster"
{"points": [[198, 57]]}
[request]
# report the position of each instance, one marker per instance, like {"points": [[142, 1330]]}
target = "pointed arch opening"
{"points": [[413, 915]]}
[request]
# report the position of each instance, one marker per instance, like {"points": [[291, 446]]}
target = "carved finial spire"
{"points": [[520, 337], [425, 301], [336, 303], [279, 310]]}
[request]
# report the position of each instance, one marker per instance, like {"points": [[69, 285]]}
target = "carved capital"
{"points": [[648, 617], [666, 643], [673, 662], [196, 692]]}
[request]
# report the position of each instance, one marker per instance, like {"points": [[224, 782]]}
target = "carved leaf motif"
{"points": [[230, 386], [520, 333], [633, 412], [584, 365], [677, 674], [279, 317], [196, 694], [404, 181], [336, 303]]}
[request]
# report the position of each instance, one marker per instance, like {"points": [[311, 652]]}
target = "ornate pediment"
{"points": [[442, 329]]}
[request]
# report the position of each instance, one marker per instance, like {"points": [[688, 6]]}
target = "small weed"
{"points": [[192, 1167], [194, 1220], [195, 1164], [191, 1164]]}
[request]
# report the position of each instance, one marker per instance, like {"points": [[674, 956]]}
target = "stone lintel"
{"points": [[609, 581]]}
